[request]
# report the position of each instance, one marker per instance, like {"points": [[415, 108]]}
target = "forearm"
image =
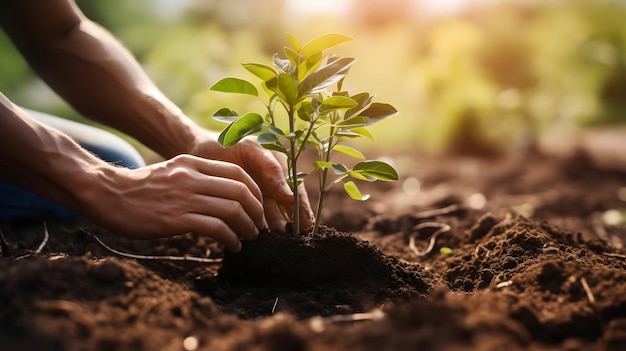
{"points": [[95, 74], [46, 161]]}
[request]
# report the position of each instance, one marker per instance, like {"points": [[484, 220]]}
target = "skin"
{"points": [[224, 193]]}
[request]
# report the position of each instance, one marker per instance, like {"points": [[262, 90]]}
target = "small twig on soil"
{"points": [[46, 236], [317, 324], [480, 247], [433, 239], [146, 257], [588, 291], [614, 255], [274, 307], [504, 284], [437, 212]]}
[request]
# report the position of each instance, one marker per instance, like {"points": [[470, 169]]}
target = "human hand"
{"points": [[184, 194], [269, 170]]}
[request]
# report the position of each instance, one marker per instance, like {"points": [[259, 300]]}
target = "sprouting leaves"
{"points": [[235, 85], [306, 107], [247, 124]]}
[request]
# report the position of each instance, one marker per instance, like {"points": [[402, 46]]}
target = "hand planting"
{"points": [[306, 106]]}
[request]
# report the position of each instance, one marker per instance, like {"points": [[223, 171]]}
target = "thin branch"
{"points": [[151, 257], [609, 254], [442, 228], [438, 212], [588, 291], [274, 307], [45, 238], [318, 323]]}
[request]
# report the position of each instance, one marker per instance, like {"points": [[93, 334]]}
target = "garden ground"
{"points": [[526, 254]]}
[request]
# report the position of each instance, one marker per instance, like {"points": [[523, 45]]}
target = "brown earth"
{"points": [[531, 261]]}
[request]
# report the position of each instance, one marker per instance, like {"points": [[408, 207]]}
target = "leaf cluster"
{"points": [[299, 85]]}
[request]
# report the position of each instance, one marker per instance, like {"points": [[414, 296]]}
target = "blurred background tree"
{"points": [[467, 76]]}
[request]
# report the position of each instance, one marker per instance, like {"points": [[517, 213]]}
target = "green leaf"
{"points": [[247, 124], [309, 65], [378, 111], [354, 122], [299, 178], [339, 169], [364, 133], [275, 147], [295, 43], [325, 76], [261, 71], [322, 165], [225, 115], [292, 56], [287, 89], [306, 111], [266, 138], [376, 169], [361, 176], [235, 85], [363, 101], [275, 130], [337, 103], [283, 65], [323, 42], [353, 191], [347, 150]]}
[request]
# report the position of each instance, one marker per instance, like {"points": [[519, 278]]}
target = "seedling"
{"points": [[301, 111]]}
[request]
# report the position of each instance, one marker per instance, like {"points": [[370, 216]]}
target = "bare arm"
{"points": [[184, 194], [93, 72], [100, 78]]}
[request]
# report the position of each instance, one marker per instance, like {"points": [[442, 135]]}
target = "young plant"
{"points": [[301, 111]]}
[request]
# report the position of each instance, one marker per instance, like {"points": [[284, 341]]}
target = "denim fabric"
{"points": [[17, 203]]}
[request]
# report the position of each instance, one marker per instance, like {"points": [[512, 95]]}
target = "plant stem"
{"points": [[294, 173], [320, 201], [325, 156]]}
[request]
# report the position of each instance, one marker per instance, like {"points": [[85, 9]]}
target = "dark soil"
{"points": [[535, 264]]}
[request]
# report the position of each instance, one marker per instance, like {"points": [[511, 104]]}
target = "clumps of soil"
{"points": [[313, 275]]}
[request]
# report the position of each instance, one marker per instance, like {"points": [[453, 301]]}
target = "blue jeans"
{"points": [[17, 203]]}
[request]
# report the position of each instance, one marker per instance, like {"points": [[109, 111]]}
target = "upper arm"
{"points": [[30, 23]]}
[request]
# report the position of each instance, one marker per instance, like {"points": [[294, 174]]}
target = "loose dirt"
{"points": [[532, 260]]}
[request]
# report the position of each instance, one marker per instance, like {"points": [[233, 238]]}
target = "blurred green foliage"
{"points": [[489, 77]]}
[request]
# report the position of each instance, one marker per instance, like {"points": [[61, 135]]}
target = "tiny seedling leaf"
{"points": [[283, 65], [275, 147], [299, 179], [267, 138], [292, 56], [337, 103], [323, 42], [339, 169], [287, 88], [322, 165], [378, 111], [350, 151], [376, 169], [225, 115], [353, 191], [247, 124], [294, 41], [235, 85], [325, 76], [364, 133], [262, 71], [275, 130]]}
